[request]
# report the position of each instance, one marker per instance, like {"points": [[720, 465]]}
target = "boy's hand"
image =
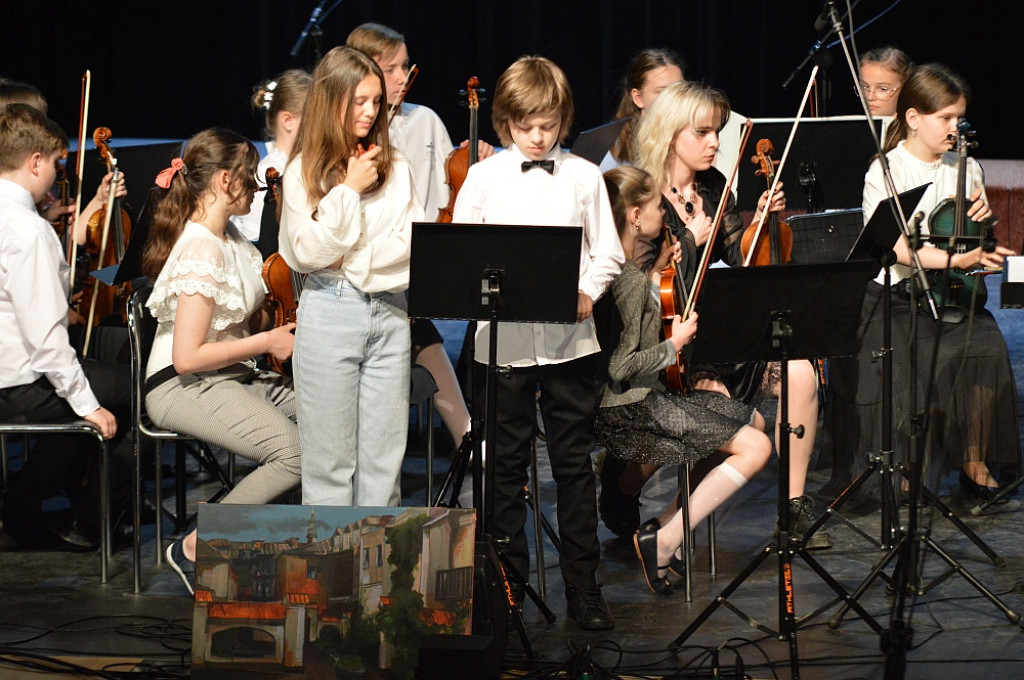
{"points": [[104, 420], [584, 307], [483, 149]]}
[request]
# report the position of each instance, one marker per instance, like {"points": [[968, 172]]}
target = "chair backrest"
{"points": [[141, 330]]}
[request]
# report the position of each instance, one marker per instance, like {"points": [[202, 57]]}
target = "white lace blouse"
{"points": [[226, 271]]}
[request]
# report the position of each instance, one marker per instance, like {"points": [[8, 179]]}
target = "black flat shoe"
{"points": [[971, 490], [646, 544]]}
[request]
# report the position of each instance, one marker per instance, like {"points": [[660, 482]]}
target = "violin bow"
{"points": [[782, 163], [705, 259], [409, 77], [83, 117]]}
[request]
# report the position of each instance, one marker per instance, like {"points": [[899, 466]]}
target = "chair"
{"points": [[684, 490], [141, 329], [422, 389], [83, 427]]}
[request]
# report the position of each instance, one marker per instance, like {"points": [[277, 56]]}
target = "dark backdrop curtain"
{"points": [[170, 69]]}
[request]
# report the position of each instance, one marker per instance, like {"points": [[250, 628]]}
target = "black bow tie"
{"points": [[548, 166]]}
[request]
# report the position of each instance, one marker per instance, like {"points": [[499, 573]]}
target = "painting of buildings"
{"points": [[319, 591]]}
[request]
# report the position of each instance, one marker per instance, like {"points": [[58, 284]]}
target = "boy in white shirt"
{"points": [[42, 378], [535, 182]]}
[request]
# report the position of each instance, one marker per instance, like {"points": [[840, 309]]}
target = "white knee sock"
{"points": [[718, 485]]}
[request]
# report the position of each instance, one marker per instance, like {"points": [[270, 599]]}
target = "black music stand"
{"points": [[780, 313], [495, 273], [826, 161], [876, 241], [594, 143]]}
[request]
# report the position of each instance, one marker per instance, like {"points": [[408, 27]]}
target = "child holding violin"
{"points": [[533, 181], [348, 209], [973, 406], [676, 144], [208, 300], [642, 422], [42, 378], [12, 92]]}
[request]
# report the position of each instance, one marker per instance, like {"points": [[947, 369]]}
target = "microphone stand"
{"points": [[312, 28], [897, 639]]}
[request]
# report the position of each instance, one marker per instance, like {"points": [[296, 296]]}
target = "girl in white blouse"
{"points": [[208, 300], [346, 221]]}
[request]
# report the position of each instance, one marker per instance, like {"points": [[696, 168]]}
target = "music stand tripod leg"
{"points": [[491, 285]]}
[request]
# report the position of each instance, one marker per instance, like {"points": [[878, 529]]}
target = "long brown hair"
{"points": [[640, 65], [929, 88], [325, 144], [206, 154]]}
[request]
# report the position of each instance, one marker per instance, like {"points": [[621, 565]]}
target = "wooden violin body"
{"points": [[671, 293], [107, 235], [774, 244], [284, 285], [457, 165]]}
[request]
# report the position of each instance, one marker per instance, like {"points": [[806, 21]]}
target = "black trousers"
{"points": [[67, 464], [568, 402]]}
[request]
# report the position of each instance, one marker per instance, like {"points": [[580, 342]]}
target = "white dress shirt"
{"points": [[33, 303], [371, 231], [497, 191], [420, 135]]}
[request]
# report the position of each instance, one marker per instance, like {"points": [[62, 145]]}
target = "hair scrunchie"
{"points": [[163, 180]]}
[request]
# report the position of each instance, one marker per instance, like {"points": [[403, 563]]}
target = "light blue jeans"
{"points": [[351, 369]]}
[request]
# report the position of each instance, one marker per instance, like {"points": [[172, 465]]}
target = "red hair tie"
{"points": [[163, 180]]}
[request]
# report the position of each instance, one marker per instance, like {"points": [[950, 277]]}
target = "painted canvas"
{"points": [[327, 592]]}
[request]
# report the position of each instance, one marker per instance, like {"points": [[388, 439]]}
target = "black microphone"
{"points": [[915, 224], [313, 19], [824, 19]]}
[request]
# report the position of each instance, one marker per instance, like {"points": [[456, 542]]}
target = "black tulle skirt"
{"points": [[972, 408], [671, 428]]}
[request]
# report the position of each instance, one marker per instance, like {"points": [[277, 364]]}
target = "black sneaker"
{"points": [[620, 512], [588, 609], [182, 566], [800, 521]]}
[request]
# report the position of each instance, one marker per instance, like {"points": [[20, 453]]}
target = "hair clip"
{"points": [[163, 179], [268, 94]]}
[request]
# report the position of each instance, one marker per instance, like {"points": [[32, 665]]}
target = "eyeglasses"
{"points": [[880, 92]]}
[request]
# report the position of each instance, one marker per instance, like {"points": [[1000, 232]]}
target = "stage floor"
{"points": [[53, 605]]}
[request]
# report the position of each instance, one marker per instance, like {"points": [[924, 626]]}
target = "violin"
{"points": [[949, 218], [284, 285], [107, 236], [776, 245], [457, 165], [670, 292], [409, 79], [671, 287]]}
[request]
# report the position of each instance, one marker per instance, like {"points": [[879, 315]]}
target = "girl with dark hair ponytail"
{"points": [[973, 407], [208, 300]]}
